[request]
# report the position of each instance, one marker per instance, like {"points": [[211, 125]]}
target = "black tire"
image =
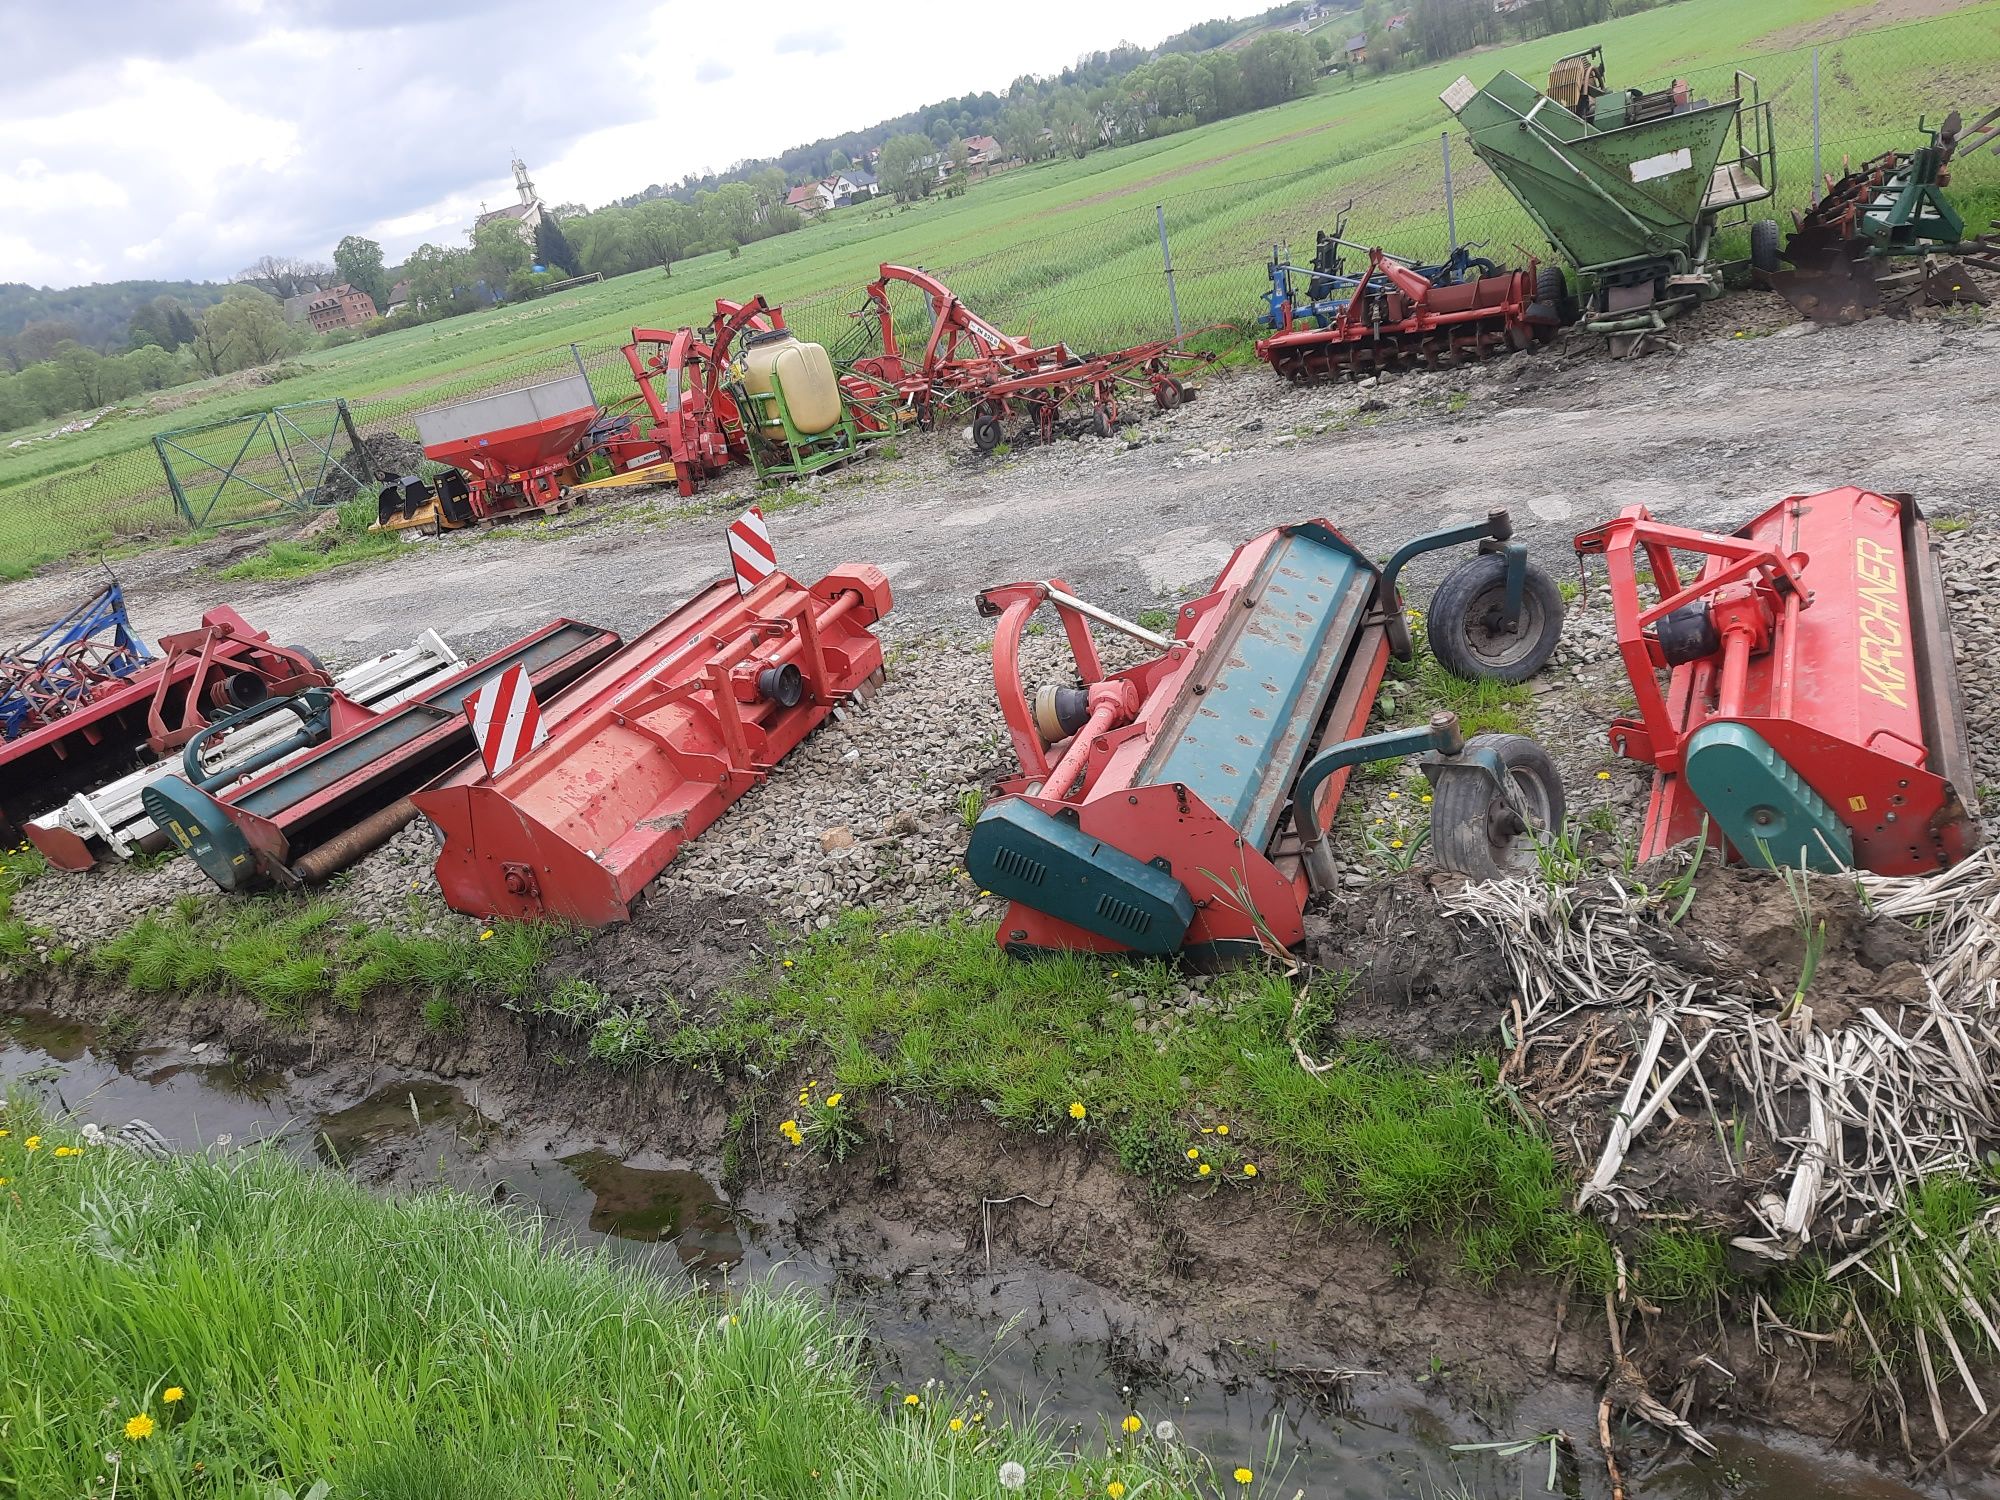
{"points": [[1764, 246], [985, 431], [1463, 622], [1550, 287], [1477, 831]]}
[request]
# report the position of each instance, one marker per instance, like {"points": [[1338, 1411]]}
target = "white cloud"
{"points": [[818, 40]]}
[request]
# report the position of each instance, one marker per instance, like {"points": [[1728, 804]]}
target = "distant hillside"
{"points": [[101, 314]]}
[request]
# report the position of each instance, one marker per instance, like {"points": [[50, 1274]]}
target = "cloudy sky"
{"points": [[184, 138]]}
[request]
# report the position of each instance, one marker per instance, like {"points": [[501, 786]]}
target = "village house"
{"points": [[342, 307]]}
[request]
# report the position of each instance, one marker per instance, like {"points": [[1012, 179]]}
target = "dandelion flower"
{"points": [[1244, 1476], [33, 1143], [4, 1134], [1603, 775], [788, 963], [1076, 1109], [139, 1427], [1395, 843], [1393, 796], [1249, 1169], [486, 934], [172, 1394], [1166, 1432], [1115, 1490], [833, 1100], [1194, 1153], [913, 1399], [1203, 1170], [1013, 1476], [1132, 1423], [69, 1151], [5, 1180], [1222, 1130], [958, 1424]]}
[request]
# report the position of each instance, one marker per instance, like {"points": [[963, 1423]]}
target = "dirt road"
{"points": [[1562, 439]]}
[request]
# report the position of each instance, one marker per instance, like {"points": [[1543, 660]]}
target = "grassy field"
{"points": [[256, 1327], [1070, 249]]}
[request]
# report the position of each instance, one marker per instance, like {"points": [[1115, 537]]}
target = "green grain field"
{"points": [[1070, 249]]}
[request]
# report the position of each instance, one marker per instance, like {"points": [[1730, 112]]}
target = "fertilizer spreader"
{"points": [[1811, 713], [1186, 802], [655, 744]]}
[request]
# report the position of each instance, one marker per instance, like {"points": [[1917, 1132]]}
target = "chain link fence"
{"points": [[1198, 259]]}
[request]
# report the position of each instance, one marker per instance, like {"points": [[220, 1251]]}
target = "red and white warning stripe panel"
{"points": [[750, 551], [506, 720]]}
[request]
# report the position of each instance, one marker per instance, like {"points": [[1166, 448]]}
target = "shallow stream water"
{"points": [[1038, 1341]]}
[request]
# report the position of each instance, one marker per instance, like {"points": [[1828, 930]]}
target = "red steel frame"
{"points": [[1832, 648], [1434, 324], [654, 745]]}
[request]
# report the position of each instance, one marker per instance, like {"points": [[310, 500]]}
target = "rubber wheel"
{"points": [[1550, 287], [1764, 246], [1464, 621], [985, 432], [1168, 396], [1477, 831]]}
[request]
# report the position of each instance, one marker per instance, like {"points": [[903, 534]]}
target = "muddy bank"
{"points": [[948, 1217]]}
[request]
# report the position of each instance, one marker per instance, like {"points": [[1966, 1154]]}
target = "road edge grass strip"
{"points": [[207, 1324], [348, 543]]}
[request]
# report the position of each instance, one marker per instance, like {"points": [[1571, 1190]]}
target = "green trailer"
{"points": [[1630, 187]]}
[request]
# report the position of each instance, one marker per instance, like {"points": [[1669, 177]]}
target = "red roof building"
{"points": [[342, 307]]}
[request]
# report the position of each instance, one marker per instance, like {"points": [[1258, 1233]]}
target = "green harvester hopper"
{"points": [[1630, 187]]}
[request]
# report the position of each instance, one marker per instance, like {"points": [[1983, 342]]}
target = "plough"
{"points": [[68, 663], [1870, 243], [121, 723], [968, 366], [325, 804], [1400, 314], [1186, 802], [1811, 713], [652, 747], [111, 820]]}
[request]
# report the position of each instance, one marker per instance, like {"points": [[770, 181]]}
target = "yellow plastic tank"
{"points": [[812, 391]]}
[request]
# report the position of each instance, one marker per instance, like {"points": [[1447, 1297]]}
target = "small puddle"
{"points": [[1039, 1341]]}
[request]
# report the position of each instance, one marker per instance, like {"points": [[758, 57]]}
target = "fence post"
{"points": [[577, 355], [174, 484], [1167, 260], [1450, 216], [1813, 197], [347, 420]]}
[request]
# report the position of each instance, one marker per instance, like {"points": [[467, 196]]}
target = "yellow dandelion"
{"points": [[1395, 843], [139, 1427], [1194, 1153], [4, 1134], [1427, 799], [788, 963], [913, 1399], [1603, 775], [1132, 1423], [33, 1143], [5, 1180], [1249, 1169], [1394, 795], [1222, 1130], [1115, 1490], [1076, 1109], [958, 1424], [1244, 1476], [68, 1151], [833, 1100], [1203, 1170], [172, 1394], [985, 893], [487, 934]]}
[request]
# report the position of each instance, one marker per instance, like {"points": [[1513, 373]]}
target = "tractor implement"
{"points": [[654, 745], [1186, 802], [117, 724], [67, 663], [1399, 315], [1811, 712], [510, 455], [301, 821], [1870, 243], [111, 820], [1629, 186]]}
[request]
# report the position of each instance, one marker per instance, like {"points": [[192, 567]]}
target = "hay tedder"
{"points": [[508, 455], [968, 367], [1872, 243], [110, 723], [1810, 713], [1631, 187], [1187, 802], [1397, 313]]}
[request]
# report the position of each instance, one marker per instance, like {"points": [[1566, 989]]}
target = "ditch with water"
{"points": [[1039, 1341]]}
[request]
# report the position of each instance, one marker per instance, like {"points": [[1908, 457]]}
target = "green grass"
{"points": [[18, 866], [348, 543], [1069, 249], [429, 1346], [1413, 690]]}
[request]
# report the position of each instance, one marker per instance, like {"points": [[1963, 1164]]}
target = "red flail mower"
{"points": [[1399, 316], [1810, 713], [968, 366]]}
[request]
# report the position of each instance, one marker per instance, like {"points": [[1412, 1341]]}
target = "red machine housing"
{"points": [[968, 364], [1831, 641], [654, 745], [516, 450], [126, 722], [1399, 316]]}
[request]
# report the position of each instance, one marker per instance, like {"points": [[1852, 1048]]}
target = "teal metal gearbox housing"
{"points": [[1047, 862], [1762, 805], [196, 824]]}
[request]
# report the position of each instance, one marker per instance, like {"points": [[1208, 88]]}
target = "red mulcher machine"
{"points": [[1811, 714], [1185, 803]]}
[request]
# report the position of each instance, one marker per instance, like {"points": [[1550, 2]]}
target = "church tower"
{"points": [[522, 186]]}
